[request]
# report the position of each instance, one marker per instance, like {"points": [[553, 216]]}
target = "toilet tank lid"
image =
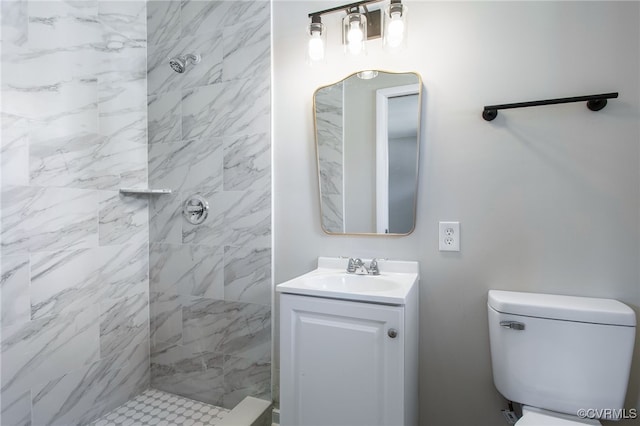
{"points": [[569, 308]]}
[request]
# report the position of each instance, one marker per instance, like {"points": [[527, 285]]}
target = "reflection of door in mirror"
{"points": [[396, 135]]}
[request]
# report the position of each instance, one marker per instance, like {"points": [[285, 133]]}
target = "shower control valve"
{"points": [[195, 209]]}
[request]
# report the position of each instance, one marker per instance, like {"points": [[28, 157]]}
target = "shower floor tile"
{"points": [[157, 408]]}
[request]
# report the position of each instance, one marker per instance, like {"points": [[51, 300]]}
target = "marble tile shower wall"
{"points": [[209, 134], [330, 126], [74, 284]]}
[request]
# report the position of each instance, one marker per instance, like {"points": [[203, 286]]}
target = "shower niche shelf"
{"points": [[142, 191]]}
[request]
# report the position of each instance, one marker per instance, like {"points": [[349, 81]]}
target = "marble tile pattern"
{"points": [[74, 284], [209, 127], [329, 137]]}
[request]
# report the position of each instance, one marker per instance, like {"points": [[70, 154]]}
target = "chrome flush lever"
{"points": [[514, 325]]}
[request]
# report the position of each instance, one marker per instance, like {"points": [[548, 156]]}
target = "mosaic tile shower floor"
{"points": [[157, 408]]}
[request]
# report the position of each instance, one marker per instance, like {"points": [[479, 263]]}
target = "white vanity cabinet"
{"points": [[346, 362]]}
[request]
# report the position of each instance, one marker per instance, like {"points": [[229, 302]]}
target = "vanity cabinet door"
{"points": [[341, 362]]}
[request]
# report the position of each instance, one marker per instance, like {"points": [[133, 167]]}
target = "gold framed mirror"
{"points": [[367, 131]]}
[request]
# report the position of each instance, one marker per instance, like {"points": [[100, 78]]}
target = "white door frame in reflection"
{"points": [[382, 150]]}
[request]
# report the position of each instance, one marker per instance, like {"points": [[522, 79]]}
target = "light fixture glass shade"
{"points": [[317, 42], [354, 33], [394, 33]]}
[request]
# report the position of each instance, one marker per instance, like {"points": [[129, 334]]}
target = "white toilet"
{"points": [[561, 357]]}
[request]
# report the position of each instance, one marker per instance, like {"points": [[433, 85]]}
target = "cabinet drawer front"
{"points": [[339, 362]]}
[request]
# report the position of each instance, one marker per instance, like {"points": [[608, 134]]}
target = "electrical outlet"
{"points": [[449, 236]]}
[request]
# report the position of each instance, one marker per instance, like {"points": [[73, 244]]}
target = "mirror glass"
{"points": [[367, 141]]}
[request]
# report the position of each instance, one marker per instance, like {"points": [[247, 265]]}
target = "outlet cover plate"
{"points": [[449, 236]]}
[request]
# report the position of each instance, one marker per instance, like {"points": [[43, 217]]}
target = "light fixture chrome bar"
{"points": [[344, 7], [374, 23]]}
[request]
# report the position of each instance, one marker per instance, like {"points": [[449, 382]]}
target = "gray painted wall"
{"points": [[548, 198]]}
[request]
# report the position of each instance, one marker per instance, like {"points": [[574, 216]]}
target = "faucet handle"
{"points": [[373, 267], [351, 267]]}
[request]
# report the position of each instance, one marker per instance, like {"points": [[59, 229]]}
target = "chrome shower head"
{"points": [[179, 64]]}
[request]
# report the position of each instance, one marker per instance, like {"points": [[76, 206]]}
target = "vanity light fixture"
{"points": [[359, 25], [354, 31], [395, 25], [317, 39]]}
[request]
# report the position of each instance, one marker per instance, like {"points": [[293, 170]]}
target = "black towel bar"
{"points": [[594, 103]]}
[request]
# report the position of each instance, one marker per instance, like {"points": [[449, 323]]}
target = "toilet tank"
{"points": [[561, 353]]}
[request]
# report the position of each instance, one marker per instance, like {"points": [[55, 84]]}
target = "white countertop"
{"points": [[330, 280]]}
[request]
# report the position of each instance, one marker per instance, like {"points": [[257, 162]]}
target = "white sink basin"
{"points": [[340, 281], [397, 280]]}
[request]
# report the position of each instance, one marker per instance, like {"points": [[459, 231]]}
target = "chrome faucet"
{"points": [[357, 266], [373, 267], [360, 268], [351, 267]]}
